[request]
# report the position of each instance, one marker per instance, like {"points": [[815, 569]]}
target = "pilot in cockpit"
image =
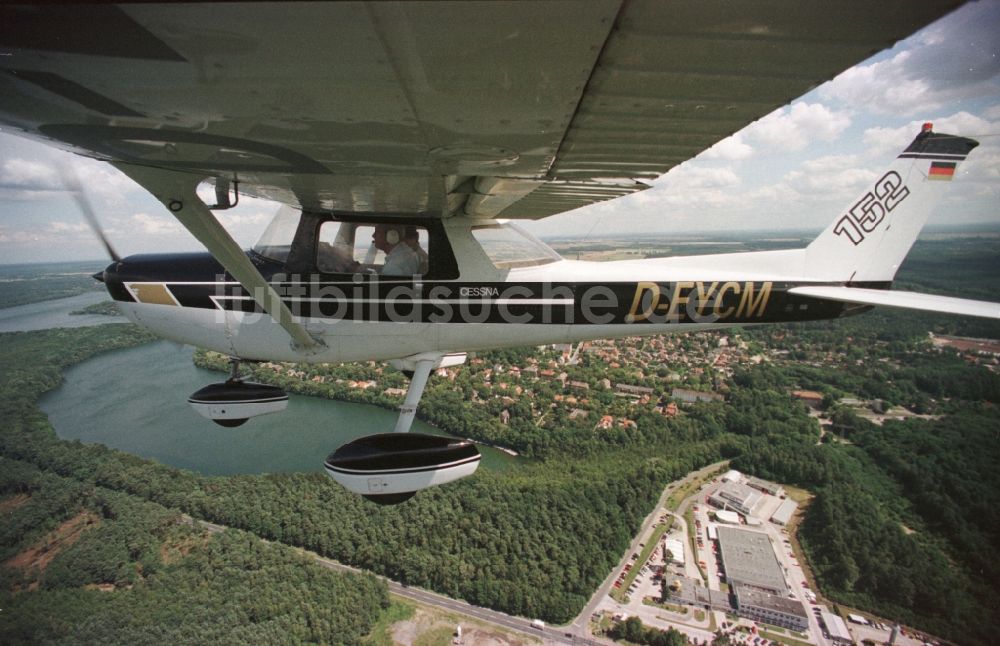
{"points": [[403, 255]]}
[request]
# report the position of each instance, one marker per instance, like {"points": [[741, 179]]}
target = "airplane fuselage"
{"points": [[188, 298]]}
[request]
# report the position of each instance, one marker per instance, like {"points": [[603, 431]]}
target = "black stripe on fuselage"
{"points": [[684, 302]]}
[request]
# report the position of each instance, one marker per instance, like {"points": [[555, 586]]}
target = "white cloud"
{"points": [[28, 176], [831, 163], [155, 225], [844, 182], [881, 87], [66, 227], [731, 148], [689, 177], [19, 237], [949, 61], [796, 127], [102, 181]]}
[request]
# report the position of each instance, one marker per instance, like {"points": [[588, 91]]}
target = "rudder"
{"points": [[868, 242]]}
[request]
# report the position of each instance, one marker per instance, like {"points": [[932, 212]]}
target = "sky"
{"points": [[794, 169]]}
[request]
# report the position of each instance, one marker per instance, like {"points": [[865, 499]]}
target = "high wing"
{"points": [[512, 109]]}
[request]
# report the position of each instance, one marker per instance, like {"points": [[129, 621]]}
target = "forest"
{"points": [[120, 570], [903, 522], [91, 564]]}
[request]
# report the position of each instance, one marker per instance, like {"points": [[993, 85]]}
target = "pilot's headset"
{"points": [[391, 236]]}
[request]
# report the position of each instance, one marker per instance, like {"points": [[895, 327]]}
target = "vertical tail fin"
{"points": [[869, 241]]}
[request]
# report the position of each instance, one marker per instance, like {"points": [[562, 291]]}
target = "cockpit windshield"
{"points": [[509, 246], [276, 241]]}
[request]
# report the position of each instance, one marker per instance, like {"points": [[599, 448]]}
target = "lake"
{"points": [[55, 313], [135, 400]]}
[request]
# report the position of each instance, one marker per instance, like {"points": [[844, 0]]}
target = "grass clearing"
{"points": [[672, 607], [783, 639], [380, 634], [439, 636], [797, 494], [692, 539], [685, 490]]}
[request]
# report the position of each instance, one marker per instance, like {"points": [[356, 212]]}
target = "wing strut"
{"points": [[178, 192]]}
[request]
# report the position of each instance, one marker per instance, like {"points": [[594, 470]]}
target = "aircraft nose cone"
{"points": [[99, 276]]}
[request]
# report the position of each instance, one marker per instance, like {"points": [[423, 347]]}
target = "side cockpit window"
{"points": [[383, 248], [276, 241], [509, 246]]}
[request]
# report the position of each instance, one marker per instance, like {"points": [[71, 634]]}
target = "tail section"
{"points": [[869, 241]]}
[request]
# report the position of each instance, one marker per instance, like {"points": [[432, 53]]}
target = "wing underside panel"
{"points": [[488, 109]]}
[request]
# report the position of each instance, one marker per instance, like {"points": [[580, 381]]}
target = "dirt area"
{"points": [[103, 587], [173, 551], [10, 504], [37, 557], [430, 627]]}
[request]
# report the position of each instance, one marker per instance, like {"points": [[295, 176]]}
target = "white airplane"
{"points": [[405, 137]]}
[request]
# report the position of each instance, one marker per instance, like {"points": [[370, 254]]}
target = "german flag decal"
{"points": [[942, 171]]}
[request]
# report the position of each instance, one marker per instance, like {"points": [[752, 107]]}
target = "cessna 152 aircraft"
{"points": [[405, 137]]}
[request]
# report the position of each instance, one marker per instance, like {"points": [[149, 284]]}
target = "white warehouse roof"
{"points": [[726, 516], [676, 548], [835, 626]]}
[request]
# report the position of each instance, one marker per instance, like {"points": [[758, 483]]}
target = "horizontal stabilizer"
{"points": [[907, 300]]}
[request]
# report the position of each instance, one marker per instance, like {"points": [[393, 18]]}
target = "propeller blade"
{"points": [[73, 187]]}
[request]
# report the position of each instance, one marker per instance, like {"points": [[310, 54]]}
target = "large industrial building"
{"points": [[836, 628], [766, 486], [757, 580], [736, 496], [770, 608], [784, 512], [748, 558]]}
